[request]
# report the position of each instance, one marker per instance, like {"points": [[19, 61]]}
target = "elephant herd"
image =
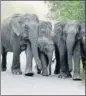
{"points": [[25, 32]]}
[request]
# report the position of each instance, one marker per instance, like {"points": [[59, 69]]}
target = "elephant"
{"points": [[0, 47], [72, 37], [45, 49], [19, 33], [61, 67], [45, 29], [45, 46], [82, 46]]}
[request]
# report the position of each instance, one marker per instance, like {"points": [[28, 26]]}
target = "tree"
{"points": [[63, 10]]}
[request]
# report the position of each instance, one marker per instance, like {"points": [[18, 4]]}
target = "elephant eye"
{"points": [[45, 48]]}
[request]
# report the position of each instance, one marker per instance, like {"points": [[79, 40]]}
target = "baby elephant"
{"points": [[45, 49], [45, 46]]}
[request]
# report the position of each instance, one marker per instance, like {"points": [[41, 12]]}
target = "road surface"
{"points": [[37, 85]]}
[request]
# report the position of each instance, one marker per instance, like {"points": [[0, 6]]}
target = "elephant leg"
{"points": [[57, 67], [38, 70], [49, 61], [44, 64], [83, 62], [4, 54], [84, 65], [29, 57], [66, 65], [50, 69], [16, 62], [76, 57], [62, 73], [62, 50], [83, 56]]}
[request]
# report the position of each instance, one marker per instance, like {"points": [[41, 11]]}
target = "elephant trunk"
{"points": [[70, 45], [34, 46]]}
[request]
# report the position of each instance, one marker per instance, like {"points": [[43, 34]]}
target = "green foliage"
{"points": [[60, 10]]}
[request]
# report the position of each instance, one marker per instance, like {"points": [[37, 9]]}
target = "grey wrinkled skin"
{"points": [[45, 46], [19, 33], [82, 46], [72, 37], [0, 47], [45, 49], [60, 50], [45, 29]]}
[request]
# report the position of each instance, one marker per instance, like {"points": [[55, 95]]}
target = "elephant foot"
{"points": [[45, 72], [49, 73], [3, 69], [16, 71], [70, 69], [68, 75], [56, 72], [62, 75], [39, 67], [38, 71], [29, 74], [76, 77]]}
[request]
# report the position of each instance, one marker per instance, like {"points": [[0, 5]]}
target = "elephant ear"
{"points": [[15, 25], [81, 30]]}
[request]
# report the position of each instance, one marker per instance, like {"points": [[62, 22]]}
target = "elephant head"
{"points": [[45, 29], [57, 34], [26, 27], [47, 47], [72, 37]]}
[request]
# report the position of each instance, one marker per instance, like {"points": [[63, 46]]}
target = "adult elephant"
{"points": [[73, 35], [82, 46], [60, 50], [19, 33], [45, 46]]}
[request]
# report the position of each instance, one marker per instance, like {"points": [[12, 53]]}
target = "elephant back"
{"points": [[30, 17]]}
